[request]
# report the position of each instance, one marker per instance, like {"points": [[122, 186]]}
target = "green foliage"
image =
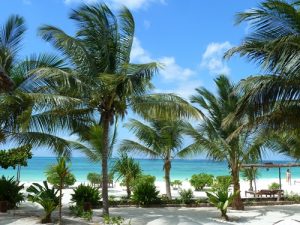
{"points": [[53, 178], [274, 186], [80, 212], [10, 192], [127, 169], [46, 197], [186, 196], [222, 182], [86, 194], [221, 199], [199, 181], [95, 179], [176, 184], [144, 191], [15, 156], [113, 220], [292, 196]]}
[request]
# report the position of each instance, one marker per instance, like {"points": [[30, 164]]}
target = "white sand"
{"points": [[29, 213]]}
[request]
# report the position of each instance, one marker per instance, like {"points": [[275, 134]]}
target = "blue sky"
{"points": [[188, 37]]}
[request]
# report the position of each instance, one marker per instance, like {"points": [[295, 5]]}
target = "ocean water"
{"points": [[181, 169]]}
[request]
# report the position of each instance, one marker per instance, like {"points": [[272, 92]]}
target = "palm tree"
{"points": [[161, 139], [273, 44], [62, 171], [25, 97], [215, 139], [102, 75], [127, 169]]}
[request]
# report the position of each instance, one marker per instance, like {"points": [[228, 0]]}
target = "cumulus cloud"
{"points": [[184, 89], [131, 4], [212, 58], [171, 71]]}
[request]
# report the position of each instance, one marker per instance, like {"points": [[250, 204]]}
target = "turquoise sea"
{"points": [[181, 169]]}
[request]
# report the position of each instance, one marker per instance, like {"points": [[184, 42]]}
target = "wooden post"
{"points": [[279, 171]]}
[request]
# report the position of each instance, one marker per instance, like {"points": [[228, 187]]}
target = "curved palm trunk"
{"points": [[105, 123], [237, 201], [167, 168]]}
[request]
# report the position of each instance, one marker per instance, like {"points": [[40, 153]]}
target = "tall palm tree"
{"points": [[215, 139], [102, 75], [159, 139], [23, 96], [273, 44]]}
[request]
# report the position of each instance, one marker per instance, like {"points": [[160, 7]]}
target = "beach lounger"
{"points": [[266, 193]]}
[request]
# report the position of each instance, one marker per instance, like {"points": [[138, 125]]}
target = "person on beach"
{"points": [[288, 176]]}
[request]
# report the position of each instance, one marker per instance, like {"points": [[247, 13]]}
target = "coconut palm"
{"points": [[24, 96], [161, 139], [102, 75], [215, 139], [127, 169], [272, 43]]}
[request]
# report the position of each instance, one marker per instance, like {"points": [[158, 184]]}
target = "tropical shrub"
{"points": [[144, 191], [79, 211], [199, 181], [46, 197], [129, 170], [292, 196], [186, 196], [10, 192], [274, 186], [113, 220], [222, 182], [85, 195], [95, 179], [221, 198], [176, 184]]}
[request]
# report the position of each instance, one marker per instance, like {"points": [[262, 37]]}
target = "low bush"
{"points": [[292, 197], [78, 211], [199, 181], [46, 197], [144, 191], [10, 192], [86, 196], [186, 196], [274, 186]]}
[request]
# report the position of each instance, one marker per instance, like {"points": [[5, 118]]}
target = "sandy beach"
{"points": [[29, 214]]}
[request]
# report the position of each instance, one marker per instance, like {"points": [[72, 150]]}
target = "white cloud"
{"points": [[212, 59], [131, 4], [185, 89], [171, 71], [138, 54]]}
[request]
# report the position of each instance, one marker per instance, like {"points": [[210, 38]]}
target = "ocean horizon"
{"points": [[182, 169]]}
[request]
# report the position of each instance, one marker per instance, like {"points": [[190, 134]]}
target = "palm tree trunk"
{"points": [[60, 201], [6, 84], [128, 191], [105, 123], [167, 167], [251, 185], [237, 201]]}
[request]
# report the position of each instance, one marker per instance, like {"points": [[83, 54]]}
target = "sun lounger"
{"points": [[266, 193]]}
